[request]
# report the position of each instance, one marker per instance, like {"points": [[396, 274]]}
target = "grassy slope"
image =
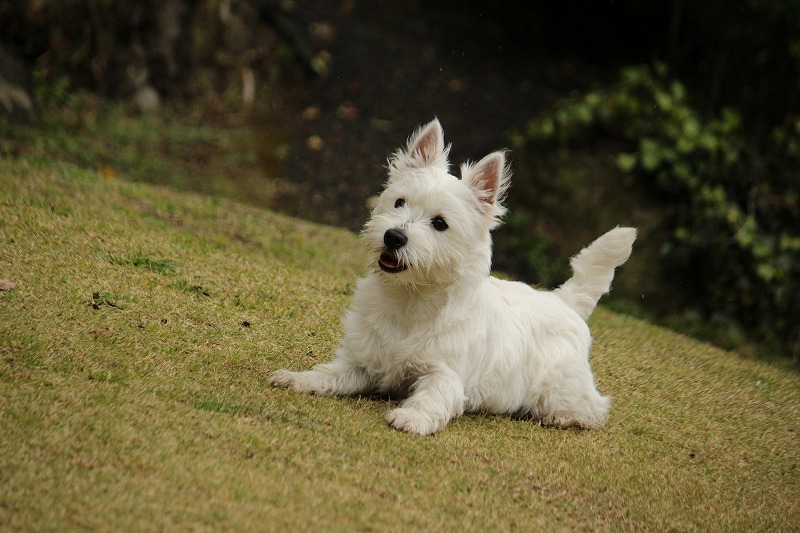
{"points": [[132, 394]]}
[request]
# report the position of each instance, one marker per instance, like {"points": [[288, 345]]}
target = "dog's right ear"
{"points": [[488, 179], [425, 149]]}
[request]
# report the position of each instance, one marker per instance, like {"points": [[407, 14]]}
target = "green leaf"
{"points": [[766, 271], [626, 162], [650, 153]]}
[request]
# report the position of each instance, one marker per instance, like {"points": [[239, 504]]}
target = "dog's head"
{"points": [[429, 227]]}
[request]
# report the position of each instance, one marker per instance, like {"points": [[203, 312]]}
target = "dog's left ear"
{"points": [[488, 178], [425, 148]]}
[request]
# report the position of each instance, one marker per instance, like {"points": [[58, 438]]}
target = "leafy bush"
{"points": [[182, 48], [731, 202]]}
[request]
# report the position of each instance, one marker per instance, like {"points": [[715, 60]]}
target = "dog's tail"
{"points": [[593, 270]]}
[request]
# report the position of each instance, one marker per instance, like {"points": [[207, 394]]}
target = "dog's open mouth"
{"points": [[391, 263]]}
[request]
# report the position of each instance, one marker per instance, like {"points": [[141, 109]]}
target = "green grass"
{"points": [[138, 259], [134, 351], [173, 147]]}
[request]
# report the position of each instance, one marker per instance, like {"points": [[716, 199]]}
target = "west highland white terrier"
{"points": [[430, 324]]}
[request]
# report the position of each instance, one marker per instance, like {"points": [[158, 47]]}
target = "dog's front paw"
{"points": [[413, 421], [286, 380]]}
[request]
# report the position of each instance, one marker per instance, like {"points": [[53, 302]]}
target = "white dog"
{"points": [[430, 323]]}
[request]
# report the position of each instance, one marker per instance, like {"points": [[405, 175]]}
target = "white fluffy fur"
{"points": [[445, 334]]}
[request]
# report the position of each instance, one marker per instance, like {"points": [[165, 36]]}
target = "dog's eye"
{"points": [[399, 203], [439, 224]]}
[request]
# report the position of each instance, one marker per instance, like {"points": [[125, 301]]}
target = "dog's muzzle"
{"points": [[390, 261]]}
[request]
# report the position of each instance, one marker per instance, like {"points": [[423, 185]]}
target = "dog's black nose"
{"points": [[394, 239]]}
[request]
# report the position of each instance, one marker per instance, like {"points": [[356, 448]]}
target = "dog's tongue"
{"points": [[390, 260]]}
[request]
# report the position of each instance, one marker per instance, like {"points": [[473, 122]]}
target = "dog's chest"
{"points": [[405, 338], [404, 332]]}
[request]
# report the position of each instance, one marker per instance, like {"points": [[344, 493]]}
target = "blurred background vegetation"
{"points": [[680, 117]]}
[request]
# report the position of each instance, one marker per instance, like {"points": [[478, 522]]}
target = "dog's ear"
{"points": [[426, 145], [425, 149], [488, 178]]}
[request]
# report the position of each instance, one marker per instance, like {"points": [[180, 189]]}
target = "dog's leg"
{"points": [[337, 378], [436, 398]]}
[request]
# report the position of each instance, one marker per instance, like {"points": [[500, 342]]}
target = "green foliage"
{"points": [[75, 42], [731, 203], [183, 49]]}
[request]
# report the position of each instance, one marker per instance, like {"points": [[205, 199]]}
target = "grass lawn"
{"points": [[137, 328]]}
